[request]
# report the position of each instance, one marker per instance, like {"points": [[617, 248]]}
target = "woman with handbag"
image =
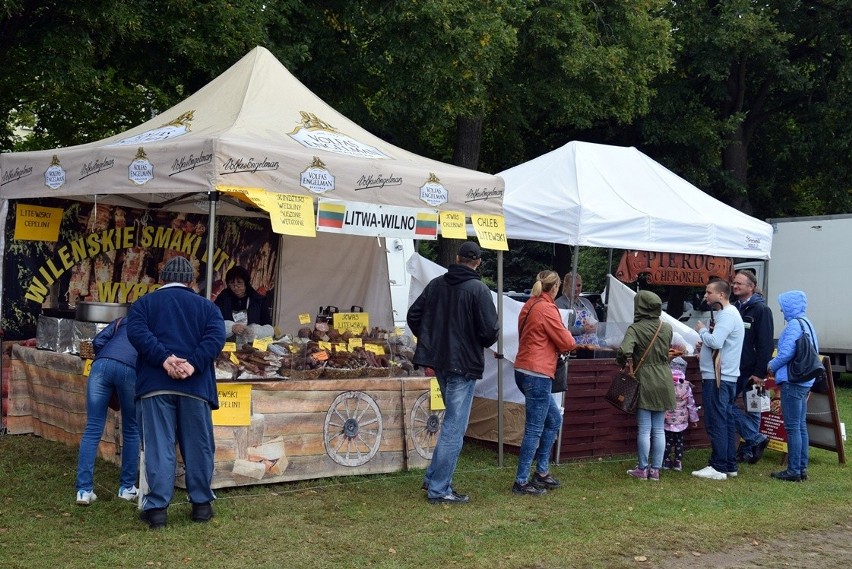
{"points": [[645, 349], [794, 395], [542, 338]]}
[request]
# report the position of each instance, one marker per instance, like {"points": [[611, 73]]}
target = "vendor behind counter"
{"points": [[246, 312]]}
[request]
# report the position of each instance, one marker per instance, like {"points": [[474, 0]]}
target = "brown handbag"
{"points": [[623, 392]]}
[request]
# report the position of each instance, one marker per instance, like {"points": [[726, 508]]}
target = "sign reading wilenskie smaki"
{"points": [[678, 269]]}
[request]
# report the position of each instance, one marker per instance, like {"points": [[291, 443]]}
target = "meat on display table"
{"points": [[299, 429]]}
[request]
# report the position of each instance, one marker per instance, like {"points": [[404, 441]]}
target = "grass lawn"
{"points": [[600, 518]]}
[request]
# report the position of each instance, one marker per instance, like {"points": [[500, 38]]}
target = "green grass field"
{"points": [[600, 518]]}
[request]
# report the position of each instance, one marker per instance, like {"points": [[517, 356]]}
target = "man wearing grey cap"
{"points": [[454, 320], [178, 335]]}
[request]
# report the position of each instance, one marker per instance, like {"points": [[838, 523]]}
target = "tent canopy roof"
{"points": [[254, 126], [615, 197]]}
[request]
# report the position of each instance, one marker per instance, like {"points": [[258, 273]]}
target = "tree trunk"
{"points": [[735, 162], [466, 155]]}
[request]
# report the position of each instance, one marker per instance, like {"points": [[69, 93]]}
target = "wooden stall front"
{"points": [[591, 427], [298, 429]]}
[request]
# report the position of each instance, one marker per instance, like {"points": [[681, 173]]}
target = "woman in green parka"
{"points": [[656, 390]]}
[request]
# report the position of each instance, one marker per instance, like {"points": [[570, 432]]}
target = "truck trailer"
{"points": [[812, 254]]}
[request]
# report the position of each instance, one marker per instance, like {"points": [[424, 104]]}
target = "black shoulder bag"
{"points": [[806, 363]]}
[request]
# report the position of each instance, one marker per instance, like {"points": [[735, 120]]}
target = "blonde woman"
{"points": [[541, 338]]}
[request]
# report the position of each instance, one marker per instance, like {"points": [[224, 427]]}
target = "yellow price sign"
{"points": [[436, 401], [304, 318], [355, 322], [324, 345], [233, 358], [87, 367], [355, 343], [453, 225], [261, 344], [375, 348], [229, 347]]}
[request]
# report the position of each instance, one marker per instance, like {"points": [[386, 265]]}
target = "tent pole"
{"points": [[213, 198], [575, 258], [499, 357]]}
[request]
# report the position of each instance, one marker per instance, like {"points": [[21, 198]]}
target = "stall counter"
{"points": [[299, 429]]}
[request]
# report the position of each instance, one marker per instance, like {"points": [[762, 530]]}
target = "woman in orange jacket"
{"points": [[541, 338]]}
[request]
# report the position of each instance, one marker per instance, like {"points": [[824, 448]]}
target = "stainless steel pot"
{"points": [[101, 311]]}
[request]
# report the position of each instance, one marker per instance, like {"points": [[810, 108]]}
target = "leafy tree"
{"points": [[79, 71], [757, 98]]}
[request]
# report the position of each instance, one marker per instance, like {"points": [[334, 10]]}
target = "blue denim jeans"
{"points": [[540, 427], [747, 424], [794, 407], [651, 437], [719, 423], [457, 392], [107, 374]]}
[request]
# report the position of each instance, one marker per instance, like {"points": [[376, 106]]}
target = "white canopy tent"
{"points": [[595, 195], [257, 127]]}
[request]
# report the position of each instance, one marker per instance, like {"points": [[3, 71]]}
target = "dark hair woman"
{"points": [[245, 311]]}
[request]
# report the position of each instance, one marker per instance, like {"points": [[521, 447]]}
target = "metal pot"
{"points": [[101, 311]]}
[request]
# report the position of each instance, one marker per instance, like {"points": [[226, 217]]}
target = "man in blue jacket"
{"points": [[454, 320], [178, 335]]}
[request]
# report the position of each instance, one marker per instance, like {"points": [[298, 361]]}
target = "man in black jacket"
{"points": [[757, 351], [454, 320]]}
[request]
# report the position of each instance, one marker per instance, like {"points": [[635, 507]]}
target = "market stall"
{"points": [[253, 143], [595, 195]]}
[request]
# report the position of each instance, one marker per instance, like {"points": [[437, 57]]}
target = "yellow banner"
{"points": [[290, 214], [491, 231], [355, 322], [36, 223], [234, 405], [436, 402], [452, 225]]}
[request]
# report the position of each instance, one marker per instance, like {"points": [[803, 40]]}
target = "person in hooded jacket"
{"points": [[656, 391], [758, 343], [454, 320], [794, 396]]}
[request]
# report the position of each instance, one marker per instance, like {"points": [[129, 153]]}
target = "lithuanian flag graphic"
{"points": [[331, 215], [426, 224]]}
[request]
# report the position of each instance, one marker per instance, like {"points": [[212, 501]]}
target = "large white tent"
{"points": [[594, 195], [257, 127]]}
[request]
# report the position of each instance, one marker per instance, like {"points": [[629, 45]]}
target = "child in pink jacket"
{"points": [[679, 419]]}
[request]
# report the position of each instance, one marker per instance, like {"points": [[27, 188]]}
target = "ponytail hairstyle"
{"points": [[545, 281]]}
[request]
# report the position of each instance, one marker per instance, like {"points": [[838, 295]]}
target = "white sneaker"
{"points": [[710, 473], [731, 474], [84, 497], [128, 494]]}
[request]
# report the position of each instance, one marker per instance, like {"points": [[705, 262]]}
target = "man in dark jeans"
{"points": [[757, 351], [454, 320]]}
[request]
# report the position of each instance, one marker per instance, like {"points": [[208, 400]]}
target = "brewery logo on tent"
{"points": [[371, 181], [96, 166], [432, 192], [172, 129], [140, 170], [316, 178], [313, 132], [54, 176], [191, 162]]}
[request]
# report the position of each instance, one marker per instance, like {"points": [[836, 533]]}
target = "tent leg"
{"points": [[499, 357], [213, 198], [575, 258]]}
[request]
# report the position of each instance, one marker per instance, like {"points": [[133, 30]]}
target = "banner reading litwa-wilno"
{"points": [[106, 253]]}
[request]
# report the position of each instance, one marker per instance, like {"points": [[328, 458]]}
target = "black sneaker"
{"points": [[451, 498], [202, 513], [786, 476], [757, 451], [527, 488], [156, 518], [546, 481]]}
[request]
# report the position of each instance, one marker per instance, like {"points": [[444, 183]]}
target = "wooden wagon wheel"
{"points": [[353, 429], [425, 426]]}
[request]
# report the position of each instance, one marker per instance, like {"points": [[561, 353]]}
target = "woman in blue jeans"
{"points": [[114, 368], [646, 347], [794, 396], [541, 338]]}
